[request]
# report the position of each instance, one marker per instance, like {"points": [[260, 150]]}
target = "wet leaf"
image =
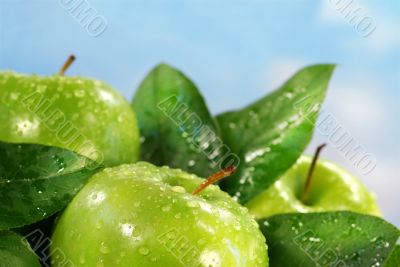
{"points": [[328, 239], [36, 181], [15, 251], [270, 134], [394, 258], [176, 127]]}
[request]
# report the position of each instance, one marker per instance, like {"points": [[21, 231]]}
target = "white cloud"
{"points": [[385, 183], [280, 70], [327, 13], [383, 36], [359, 105]]}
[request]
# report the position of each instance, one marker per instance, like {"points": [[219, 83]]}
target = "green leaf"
{"points": [[38, 236], [15, 251], [36, 181], [328, 239], [394, 258], [175, 124], [270, 134]]}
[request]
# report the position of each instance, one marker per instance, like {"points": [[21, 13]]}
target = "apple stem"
{"points": [[307, 185], [66, 65], [214, 178]]}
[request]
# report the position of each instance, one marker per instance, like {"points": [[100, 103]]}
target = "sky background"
{"points": [[236, 52]]}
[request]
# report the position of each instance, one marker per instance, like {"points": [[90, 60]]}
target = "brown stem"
{"points": [[214, 178], [307, 185], [66, 65]]}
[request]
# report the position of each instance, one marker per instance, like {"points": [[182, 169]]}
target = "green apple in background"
{"points": [[143, 215], [76, 113], [331, 189]]}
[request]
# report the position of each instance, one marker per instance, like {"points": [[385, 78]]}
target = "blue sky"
{"points": [[236, 51]]}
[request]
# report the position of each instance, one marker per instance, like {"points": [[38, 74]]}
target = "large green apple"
{"points": [[80, 114], [143, 215], [331, 189]]}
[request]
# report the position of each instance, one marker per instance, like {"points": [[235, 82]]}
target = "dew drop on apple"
{"points": [[79, 93], [82, 259], [144, 251], [237, 226], [14, 96], [104, 248], [166, 208], [171, 235], [192, 204], [99, 225], [120, 118], [178, 189]]}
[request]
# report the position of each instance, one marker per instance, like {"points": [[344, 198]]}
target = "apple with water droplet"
{"points": [[330, 189], [76, 113], [143, 215]]}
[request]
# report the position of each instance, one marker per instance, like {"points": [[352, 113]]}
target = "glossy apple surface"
{"points": [[332, 189], [80, 114], [143, 215]]}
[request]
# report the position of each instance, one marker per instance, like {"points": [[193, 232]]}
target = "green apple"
{"points": [[331, 189], [143, 215], [76, 113]]}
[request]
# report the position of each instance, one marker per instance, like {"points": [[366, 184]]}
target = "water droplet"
{"points": [[166, 208], [192, 204], [79, 93], [289, 95], [237, 226], [144, 251], [99, 224], [104, 249], [171, 235], [178, 189], [120, 118]]}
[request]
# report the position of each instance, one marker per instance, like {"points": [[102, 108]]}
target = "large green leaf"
{"points": [[36, 181], [270, 134], [16, 252], [394, 258], [328, 239], [175, 124]]}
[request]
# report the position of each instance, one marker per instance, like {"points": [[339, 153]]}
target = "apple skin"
{"points": [[80, 114], [143, 215], [332, 189]]}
